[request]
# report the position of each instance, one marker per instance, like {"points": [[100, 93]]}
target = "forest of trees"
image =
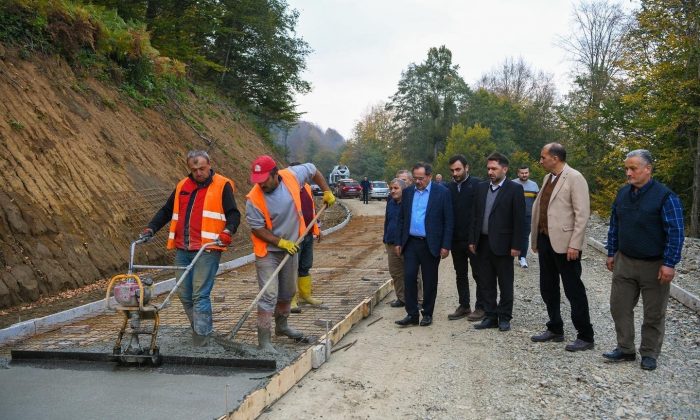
{"points": [[636, 85], [244, 50]]}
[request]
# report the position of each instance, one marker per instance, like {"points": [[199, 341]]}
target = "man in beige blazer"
{"points": [[559, 217]]}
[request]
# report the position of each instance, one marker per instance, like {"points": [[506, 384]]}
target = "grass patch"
{"points": [[15, 124]]}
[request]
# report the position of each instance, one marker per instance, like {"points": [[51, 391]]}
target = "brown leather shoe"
{"points": [[477, 315], [459, 313]]}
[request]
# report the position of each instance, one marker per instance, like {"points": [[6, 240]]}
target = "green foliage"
{"points": [[427, 103], [93, 38], [247, 48], [375, 139], [15, 124], [475, 143], [23, 25], [502, 116], [663, 98]]}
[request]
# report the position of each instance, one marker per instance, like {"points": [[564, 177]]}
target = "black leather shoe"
{"points": [[427, 320], [547, 336], [397, 304], [504, 326], [618, 356], [486, 323], [579, 345], [408, 320], [648, 363]]}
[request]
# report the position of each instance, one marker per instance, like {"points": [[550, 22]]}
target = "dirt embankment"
{"points": [[83, 168]]}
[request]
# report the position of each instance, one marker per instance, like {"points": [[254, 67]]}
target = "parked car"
{"points": [[316, 190], [347, 188], [378, 190]]}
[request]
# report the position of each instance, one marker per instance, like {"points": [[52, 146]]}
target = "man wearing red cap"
{"points": [[273, 211], [200, 210]]}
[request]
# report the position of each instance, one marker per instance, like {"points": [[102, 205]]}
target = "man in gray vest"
{"points": [[645, 240]]}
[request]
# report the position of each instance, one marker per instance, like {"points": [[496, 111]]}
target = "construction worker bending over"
{"points": [[274, 213], [306, 250], [204, 211]]}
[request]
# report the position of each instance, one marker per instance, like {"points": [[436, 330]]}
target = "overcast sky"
{"points": [[360, 47]]}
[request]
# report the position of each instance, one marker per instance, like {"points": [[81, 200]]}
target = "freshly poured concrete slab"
{"points": [[100, 391]]}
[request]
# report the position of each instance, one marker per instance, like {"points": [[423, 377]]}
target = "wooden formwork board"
{"points": [[257, 401]]}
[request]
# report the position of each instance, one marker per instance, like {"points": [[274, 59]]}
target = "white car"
{"points": [[378, 190]]}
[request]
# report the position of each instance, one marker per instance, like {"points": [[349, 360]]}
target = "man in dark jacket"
{"points": [[425, 237], [496, 237], [462, 189], [366, 185]]}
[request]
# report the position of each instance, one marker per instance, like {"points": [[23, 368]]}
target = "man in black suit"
{"points": [[424, 237], [462, 189], [496, 237]]}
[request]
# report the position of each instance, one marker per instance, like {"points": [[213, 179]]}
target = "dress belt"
{"points": [[420, 238]]}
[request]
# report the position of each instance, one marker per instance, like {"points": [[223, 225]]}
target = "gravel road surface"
{"points": [[450, 370]]}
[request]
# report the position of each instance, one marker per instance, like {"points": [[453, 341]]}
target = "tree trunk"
{"points": [[151, 12], [695, 210]]}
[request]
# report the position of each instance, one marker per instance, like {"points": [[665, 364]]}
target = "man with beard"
{"points": [[462, 188], [496, 238]]}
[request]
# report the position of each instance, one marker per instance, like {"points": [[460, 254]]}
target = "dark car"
{"points": [[316, 190], [347, 188]]}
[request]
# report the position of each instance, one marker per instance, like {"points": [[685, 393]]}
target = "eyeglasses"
{"points": [[419, 178]]}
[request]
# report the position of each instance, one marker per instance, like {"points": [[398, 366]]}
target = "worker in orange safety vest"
{"points": [[201, 210], [274, 213]]}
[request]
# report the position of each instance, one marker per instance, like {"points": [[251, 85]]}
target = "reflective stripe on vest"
{"points": [[257, 198], [213, 216], [315, 230]]}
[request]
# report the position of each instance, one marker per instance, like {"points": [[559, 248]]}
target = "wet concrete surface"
{"points": [[103, 391], [84, 391]]}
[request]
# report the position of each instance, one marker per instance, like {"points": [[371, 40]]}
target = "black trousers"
{"points": [[416, 254], [496, 274], [365, 196], [552, 267], [460, 256]]}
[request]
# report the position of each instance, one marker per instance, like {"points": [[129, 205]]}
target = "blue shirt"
{"points": [[420, 205], [391, 222], [672, 219]]}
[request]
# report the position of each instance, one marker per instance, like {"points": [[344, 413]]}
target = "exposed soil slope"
{"points": [[83, 167]]}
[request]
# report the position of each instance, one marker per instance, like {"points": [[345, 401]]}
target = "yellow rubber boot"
{"points": [[295, 304], [304, 288]]}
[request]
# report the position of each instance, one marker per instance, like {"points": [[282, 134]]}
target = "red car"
{"points": [[347, 188]]}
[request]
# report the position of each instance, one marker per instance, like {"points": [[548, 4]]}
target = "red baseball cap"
{"points": [[261, 167]]}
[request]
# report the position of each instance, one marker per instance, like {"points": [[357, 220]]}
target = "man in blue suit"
{"points": [[424, 237]]}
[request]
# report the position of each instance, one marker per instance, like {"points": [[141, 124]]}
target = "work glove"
{"points": [[225, 238], [288, 246], [328, 198], [146, 234]]}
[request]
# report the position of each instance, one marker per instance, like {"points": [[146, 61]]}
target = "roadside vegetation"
{"points": [[636, 84], [244, 53]]}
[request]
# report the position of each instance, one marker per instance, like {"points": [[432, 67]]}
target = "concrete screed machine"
{"points": [[133, 294]]}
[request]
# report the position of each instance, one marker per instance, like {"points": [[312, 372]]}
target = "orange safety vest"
{"points": [[213, 216], [257, 198], [315, 230]]}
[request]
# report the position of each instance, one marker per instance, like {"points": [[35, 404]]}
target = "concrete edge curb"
{"points": [[257, 401], [680, 294], [35, 326]]}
